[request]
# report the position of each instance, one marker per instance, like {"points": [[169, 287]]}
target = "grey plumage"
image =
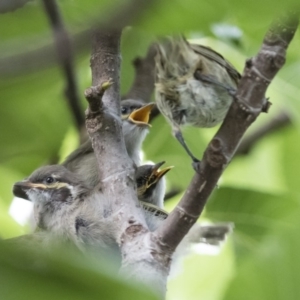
{"points": [[151, 190], [193, 85], [60, 199], [151, 183], [65, 208], [135, 116]]}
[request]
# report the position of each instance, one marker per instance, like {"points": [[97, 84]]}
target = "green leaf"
{"points": [[255, 214], [202, 276], [290, 162], [272, 271], [62, 274]]}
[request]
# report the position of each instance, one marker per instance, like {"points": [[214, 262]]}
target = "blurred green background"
{"points": [[259, 192]]}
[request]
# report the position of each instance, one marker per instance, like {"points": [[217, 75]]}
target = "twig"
{"points": [[120, 17], [249, 102], [11, 5], [65, 55], [277, 122], [143, 84], [172, 193]]}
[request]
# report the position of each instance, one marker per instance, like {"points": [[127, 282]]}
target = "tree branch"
{"points": [[248, 142], [143, 84], [119, 17], [65, 56], [116, 170], [249, 102], [11, 5]]}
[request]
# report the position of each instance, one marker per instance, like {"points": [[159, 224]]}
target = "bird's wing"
{"points": [[218, 58], [84, 149]]}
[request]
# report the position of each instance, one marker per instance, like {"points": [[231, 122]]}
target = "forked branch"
{"points": [[249, 102]]}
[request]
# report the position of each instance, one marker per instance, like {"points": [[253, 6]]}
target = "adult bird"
{"points": [[194, 86]]}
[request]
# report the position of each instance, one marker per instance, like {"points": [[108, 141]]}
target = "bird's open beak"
{"points": [[160, 173], [21, 187], [141, 116]]}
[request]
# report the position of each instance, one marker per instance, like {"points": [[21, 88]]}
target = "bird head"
{"points": [[151, 183], [51, 189], [135, 116]]}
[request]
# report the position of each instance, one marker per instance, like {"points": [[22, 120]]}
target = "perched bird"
{"points": [[151, 183], [135, 116], [66, 208], [194, 85]]}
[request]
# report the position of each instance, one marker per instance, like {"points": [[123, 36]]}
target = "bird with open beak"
{"points": [[65, 207], [151, 184], [135, 126], [194, 86], [69, 213], [151, 189]]}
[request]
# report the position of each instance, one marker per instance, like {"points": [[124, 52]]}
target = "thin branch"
{"points": [[248, 142], [143, 84], [66, 58], [249, 102], [11, 5], [105, 65], [172, 193], [119, 17]]}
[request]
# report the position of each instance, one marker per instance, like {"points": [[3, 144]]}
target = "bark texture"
{"points": [[116, 169]]}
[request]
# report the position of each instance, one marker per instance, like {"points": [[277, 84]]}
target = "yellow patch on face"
{"points": [[141, 115], [54, 185]]}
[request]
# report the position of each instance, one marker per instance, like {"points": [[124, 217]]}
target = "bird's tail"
{"points": [[212, 234]]}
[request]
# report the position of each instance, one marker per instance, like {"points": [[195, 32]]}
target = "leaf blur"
{"points": [[259, 192]]}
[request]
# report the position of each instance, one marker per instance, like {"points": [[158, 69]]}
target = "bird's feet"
{"points": [[196, 165]]}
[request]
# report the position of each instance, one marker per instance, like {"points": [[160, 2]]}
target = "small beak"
{"points": [[158, 174], [164, 171], [141, 116], [20, 188]]}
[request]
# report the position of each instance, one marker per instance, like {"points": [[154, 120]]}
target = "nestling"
{"points": [[135, 116], [151, 183], [63, 206]]}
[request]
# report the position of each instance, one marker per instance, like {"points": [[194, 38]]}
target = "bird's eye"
{"points": [[49, 179], [124, 110]]}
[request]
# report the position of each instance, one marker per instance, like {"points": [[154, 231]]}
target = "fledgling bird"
{"points": [[151, 190], [135, 126], [67, 209], [151, 183], [64, 207], [194, 85]]}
